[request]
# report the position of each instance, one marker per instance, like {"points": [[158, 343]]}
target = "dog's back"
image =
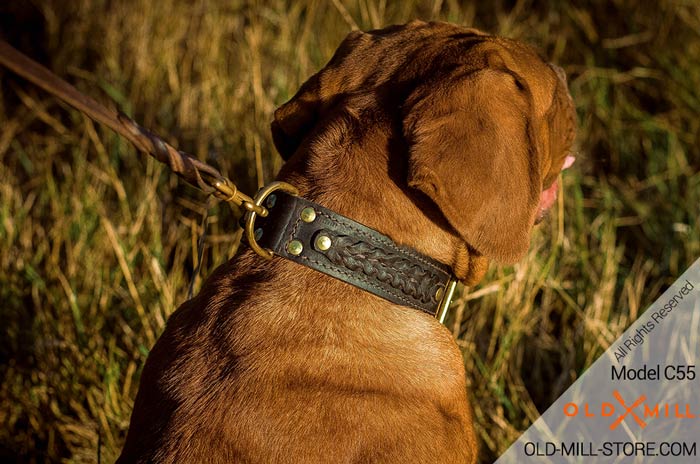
{"points": [[281, 365]]}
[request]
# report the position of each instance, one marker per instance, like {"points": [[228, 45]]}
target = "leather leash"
{"points": [[187, 167], [300, 230]]}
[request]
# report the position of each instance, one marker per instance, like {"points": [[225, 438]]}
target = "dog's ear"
{"points": [[474, 153], [344, 73]]}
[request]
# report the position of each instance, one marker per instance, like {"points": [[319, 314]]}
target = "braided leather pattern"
{"points": [[387, 267]]}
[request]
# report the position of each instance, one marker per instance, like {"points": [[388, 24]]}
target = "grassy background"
{"points": [[98, 243]]}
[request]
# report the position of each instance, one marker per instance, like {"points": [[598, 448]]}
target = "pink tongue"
{"points": [[548, 197]]}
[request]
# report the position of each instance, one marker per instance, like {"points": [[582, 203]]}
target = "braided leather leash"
{"points": [[187, 167]]}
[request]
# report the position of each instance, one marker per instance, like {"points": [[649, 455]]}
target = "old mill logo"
{"points": [[637, 410]]}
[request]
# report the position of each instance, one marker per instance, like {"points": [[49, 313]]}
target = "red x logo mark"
{"points": [[628, 410]]}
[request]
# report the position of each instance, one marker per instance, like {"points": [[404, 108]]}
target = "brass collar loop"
{"points": [[253, 211]]}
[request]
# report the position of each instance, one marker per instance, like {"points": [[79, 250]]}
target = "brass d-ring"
{"points": [[445, 299], [251, 214]]}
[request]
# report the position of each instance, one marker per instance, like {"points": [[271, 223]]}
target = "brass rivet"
{"points": [[308, 214], [323, 242], [258, 234], [271, 201], [438, 293], [295, 247]]}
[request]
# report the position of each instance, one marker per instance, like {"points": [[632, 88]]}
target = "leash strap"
{"points": [[187, 167], [311, 235]]}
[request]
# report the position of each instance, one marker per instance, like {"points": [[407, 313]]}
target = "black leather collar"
{"points": [[314, 236]]}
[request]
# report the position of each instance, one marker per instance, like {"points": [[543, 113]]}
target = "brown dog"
{"points": [[445, 139]]}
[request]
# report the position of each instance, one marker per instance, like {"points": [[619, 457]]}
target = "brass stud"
{"points": [[295, 247], [308, 214], [323, 242], [438, 293]]}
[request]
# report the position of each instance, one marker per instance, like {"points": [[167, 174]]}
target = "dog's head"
{"points": [[487, 123]]}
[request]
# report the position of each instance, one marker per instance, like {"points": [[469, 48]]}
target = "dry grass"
{"points": [[98, 244]]}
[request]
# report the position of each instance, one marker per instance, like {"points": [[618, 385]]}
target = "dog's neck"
{"points": [[297, 306], [363, 177]]}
